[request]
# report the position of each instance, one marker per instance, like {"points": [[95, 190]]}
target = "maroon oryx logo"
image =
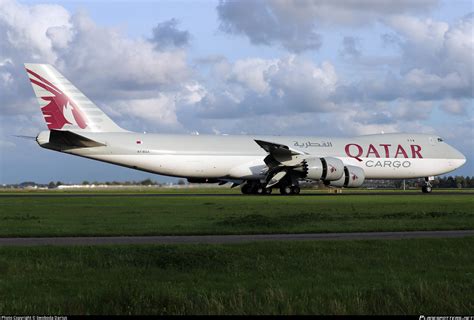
{"points": [[60, 110]]}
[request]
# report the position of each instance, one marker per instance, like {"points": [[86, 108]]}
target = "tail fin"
{"points": [[64, 107]]}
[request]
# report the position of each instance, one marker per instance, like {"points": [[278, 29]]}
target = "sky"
{"points": [[307, 67]]}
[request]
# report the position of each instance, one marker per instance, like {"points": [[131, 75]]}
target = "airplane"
{"points": [[258, 164]]}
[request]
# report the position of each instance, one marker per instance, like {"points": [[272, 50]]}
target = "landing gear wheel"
{"points": [[295, 190], [426, 189], [246, 189], [285, 190], [255, 188]]}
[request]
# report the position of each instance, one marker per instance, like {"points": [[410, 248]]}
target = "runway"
{"points": [[185, 194], [228, 239]]}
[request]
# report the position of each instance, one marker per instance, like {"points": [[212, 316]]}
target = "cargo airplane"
{"points": [[256, 163]]}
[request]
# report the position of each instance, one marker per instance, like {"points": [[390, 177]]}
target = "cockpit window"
{"points": [[440, 140]]}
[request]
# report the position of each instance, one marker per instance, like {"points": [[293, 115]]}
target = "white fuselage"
{"points": [[240, 157]]}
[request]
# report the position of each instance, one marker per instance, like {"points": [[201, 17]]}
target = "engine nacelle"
{"points": [[327, 168], [353, 177]]}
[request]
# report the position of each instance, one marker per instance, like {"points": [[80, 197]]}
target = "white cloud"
{"points": [[24, 28], [104, 56], [166, 34], [103, 62], [437, 58], [426, 34], [273, 86], [455, 107], [348, 123], [407, 110], [159, 110], [252, 73], [295, 25], [435, 64], [192, 93]]}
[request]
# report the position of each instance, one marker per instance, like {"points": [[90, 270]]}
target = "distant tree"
{"points": [[181, 182], [450, 182], [398, 184], [443, 182], [459, 182], [51, 185], [59, 183], [85, 182], [28, 184], [146, 182], [471, 184], [468, 182]]}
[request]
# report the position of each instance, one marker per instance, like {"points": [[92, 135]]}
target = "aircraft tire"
{"points": [[246, 189], [285, 190], [295, 190]]}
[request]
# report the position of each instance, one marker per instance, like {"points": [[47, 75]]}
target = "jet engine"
{"points": [[353, 177], [327, 168]]}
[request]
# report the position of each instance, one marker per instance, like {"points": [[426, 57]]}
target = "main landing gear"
{"points": [[255, 188], [426, 187], [287, 189], [259, 189]]}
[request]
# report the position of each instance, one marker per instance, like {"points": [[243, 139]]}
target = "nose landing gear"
{"points": [[426, 187]]}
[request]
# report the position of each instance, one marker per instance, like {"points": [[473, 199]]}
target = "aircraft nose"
{"points": [[457, 159]]}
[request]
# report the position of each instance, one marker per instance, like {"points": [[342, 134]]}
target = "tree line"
{"points": [[459, 182], [454, 182]]}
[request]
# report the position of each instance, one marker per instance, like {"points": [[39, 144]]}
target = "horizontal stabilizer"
{"points": [[71, 139]]}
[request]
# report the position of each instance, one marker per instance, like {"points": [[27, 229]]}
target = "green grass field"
{"points": [[126, 215], [429, 276], [210, 190], [422, 276]]}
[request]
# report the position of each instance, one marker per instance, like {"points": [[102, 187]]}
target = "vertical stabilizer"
{"points": [[65, 107]]}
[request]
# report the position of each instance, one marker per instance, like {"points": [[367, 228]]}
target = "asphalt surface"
{"points": [[224, 239], [275, 194]]}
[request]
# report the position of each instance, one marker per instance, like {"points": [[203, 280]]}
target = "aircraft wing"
{"points": [[277, 148], [280, 157]]}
